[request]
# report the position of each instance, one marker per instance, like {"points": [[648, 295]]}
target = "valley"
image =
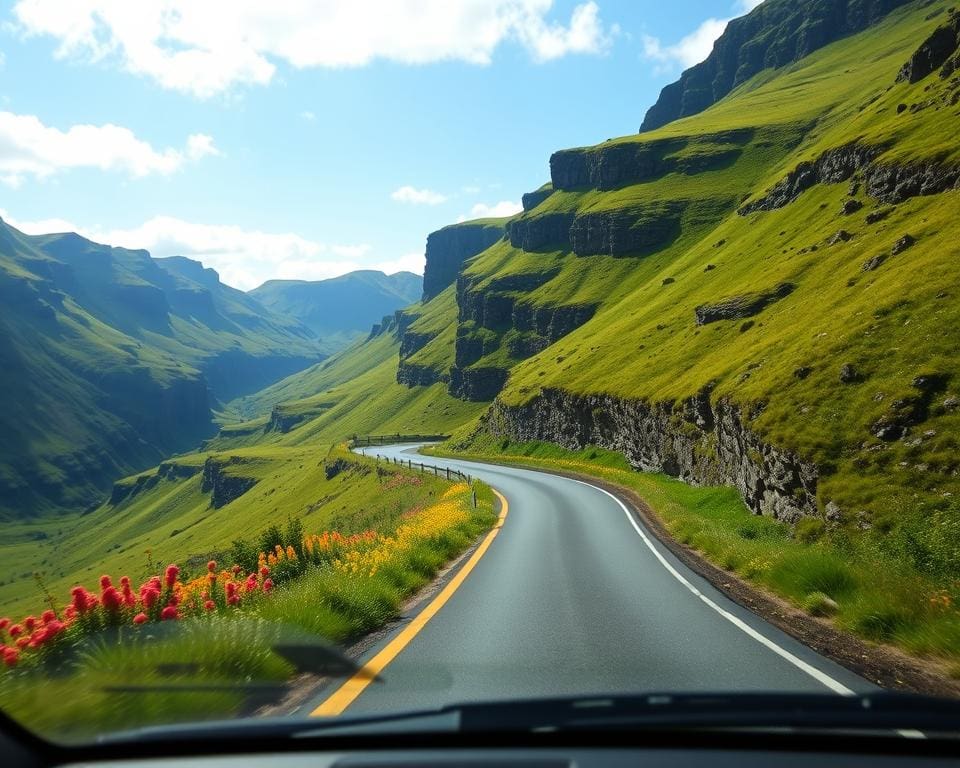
{"points": [[746, 314]]}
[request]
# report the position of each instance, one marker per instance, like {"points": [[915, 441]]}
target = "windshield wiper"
{"points": [[882, 712]]}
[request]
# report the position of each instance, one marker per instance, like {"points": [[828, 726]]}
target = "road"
{"points": [[574, 596]]}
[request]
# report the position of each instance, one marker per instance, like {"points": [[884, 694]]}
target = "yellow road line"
{"points": [[345, 695]]}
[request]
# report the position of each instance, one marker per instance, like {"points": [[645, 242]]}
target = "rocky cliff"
{"points": [[772, 35], [450, 247], [696, 440]]}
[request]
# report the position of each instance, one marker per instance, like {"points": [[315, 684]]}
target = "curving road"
{"points": [[573, 596]]}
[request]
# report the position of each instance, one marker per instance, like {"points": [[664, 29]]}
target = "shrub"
{"points": [[809, 529], [819, 604]]}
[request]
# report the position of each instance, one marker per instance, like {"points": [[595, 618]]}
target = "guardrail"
{"points": [[426, 469], [364, 440]]}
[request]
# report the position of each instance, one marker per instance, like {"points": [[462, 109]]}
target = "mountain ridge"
{"points": [[341, 309]]}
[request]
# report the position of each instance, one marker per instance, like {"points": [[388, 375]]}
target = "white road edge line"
{"points": [[816, 674], [821, 677]]}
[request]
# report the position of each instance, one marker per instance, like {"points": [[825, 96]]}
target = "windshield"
{"points": [[350, 368]]}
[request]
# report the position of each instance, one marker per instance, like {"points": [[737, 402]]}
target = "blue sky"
{"points": [[304, 139]]}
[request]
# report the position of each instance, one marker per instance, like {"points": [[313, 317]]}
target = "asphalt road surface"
{"points": [[573, 596]]}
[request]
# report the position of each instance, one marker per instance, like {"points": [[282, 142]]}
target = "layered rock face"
{"points": [[449, 247], [698, 441], [222, 486], [772, 35], [887, 182], [934, 53]]}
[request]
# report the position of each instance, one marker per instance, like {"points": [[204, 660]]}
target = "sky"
{"points": [[302, 139]]}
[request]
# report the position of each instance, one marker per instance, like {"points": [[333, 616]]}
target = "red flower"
{"points": [[70, 611], [233, 600], [169, 613], [111, 599], [140, 618], [209, 605], [230, 589], [264, 571], [10, 656], [125, 582], [212, 566], [15, 630], [170, 575], [105, 582], [22, 642], [82, 600], [47, 616], [251, 584], [30, 623], [267, 585], [129, 599], [236, 570], [4, 623], [149, 596], [54, 628]]}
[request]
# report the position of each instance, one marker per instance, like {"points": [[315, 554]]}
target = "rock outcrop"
{"points": [[886, 182], [696, 440], [450, 247], [129, 488], [616, 164], [477, 384], [774, 34], [414, 375], [933, 53], [625, 232], [546, 232], [224, 486], [531, 200], [741, 307]]}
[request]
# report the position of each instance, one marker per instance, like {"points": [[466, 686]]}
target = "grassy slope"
{"points": [[175, 521], [422, 522], [91, 339], [644, 342], [354, 392]]}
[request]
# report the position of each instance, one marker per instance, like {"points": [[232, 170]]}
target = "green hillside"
{"points": [[715, 298], [342, 309], [111, 360], [762, 295]]}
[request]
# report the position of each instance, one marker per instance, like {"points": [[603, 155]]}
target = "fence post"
{"points": [[474, 499]]}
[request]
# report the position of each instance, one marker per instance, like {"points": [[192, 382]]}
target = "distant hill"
{"points": [[111, 360], [341, 309]]}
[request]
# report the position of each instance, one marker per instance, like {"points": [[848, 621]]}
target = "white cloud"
{"points": [[470, 189], [309, 116], [199, 145], [205, 47], [693, 48], [498, 210], [244, 258], [414, 196], [30, 148]]}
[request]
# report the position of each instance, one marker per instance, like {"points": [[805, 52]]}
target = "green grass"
{"points": [[98, 342], [65, 694], [174, 521]]}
